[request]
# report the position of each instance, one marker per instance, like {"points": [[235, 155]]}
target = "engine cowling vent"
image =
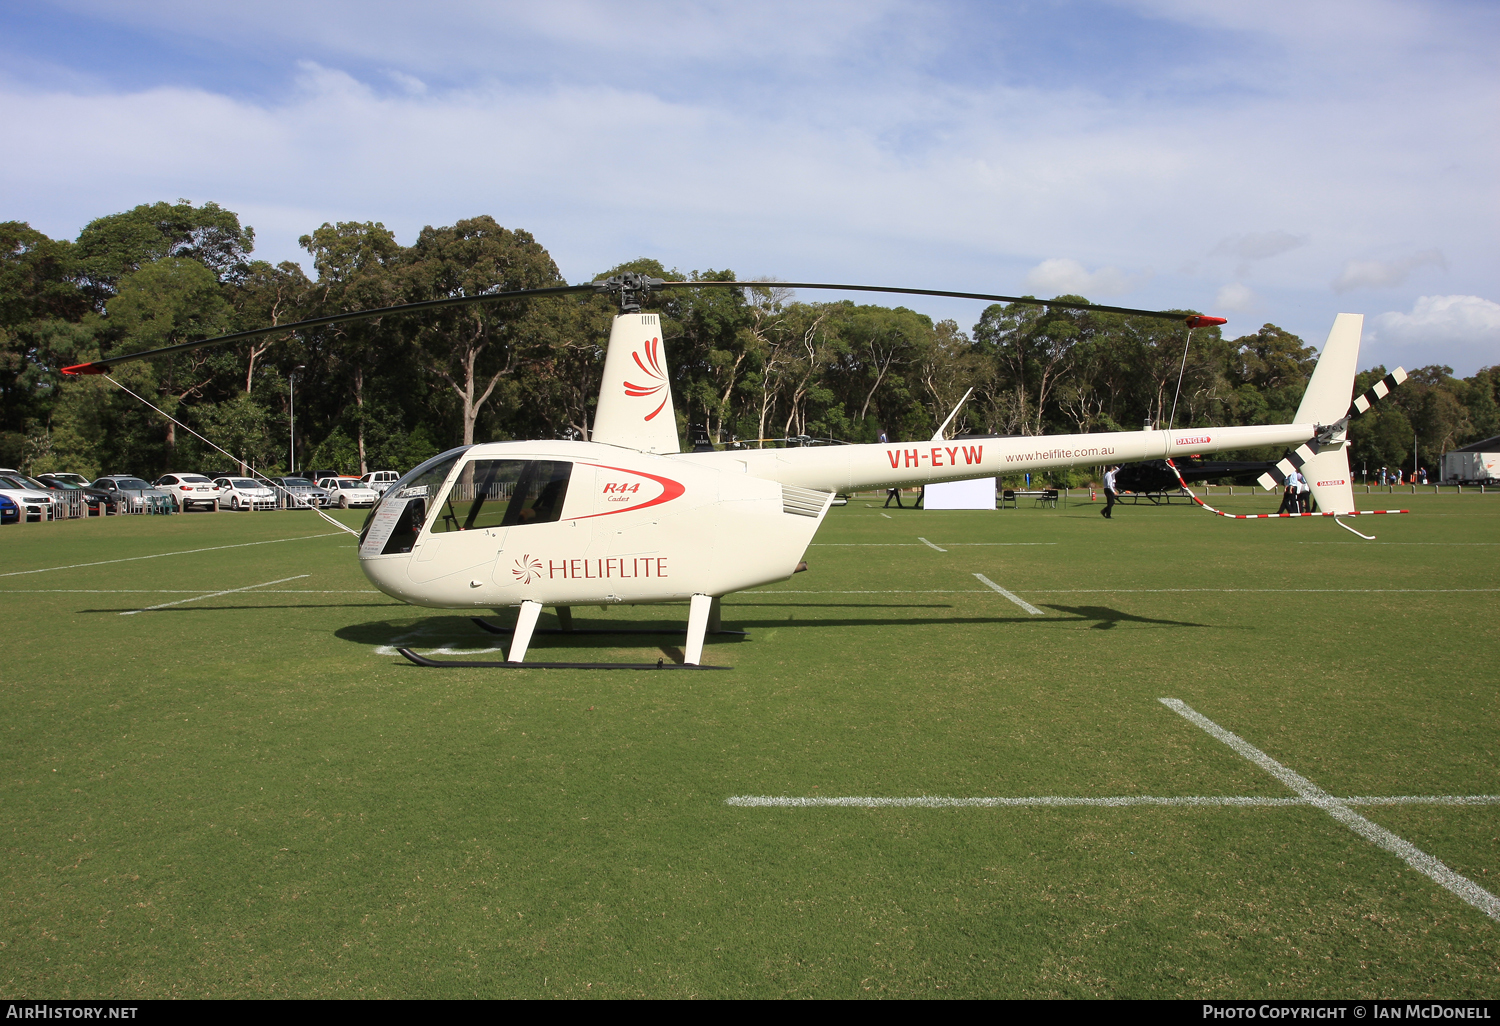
{"points": [[804, 502]]}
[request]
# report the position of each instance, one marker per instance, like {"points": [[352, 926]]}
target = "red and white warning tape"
{"points": [[1273, 516]]}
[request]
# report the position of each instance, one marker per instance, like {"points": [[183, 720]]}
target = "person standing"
{"points": [[1304, 494], [1290, 492], [1110, 494], [893, 493]]}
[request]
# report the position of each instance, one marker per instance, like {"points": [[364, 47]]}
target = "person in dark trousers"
{"points": [[1110, 495], [893, 493], [1290, 494]]}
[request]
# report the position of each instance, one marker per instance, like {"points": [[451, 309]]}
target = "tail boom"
{"points": [[845, 468]]}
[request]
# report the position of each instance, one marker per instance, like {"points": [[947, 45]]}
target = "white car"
{"points": [[380, 480], [188, 490], [344, 492], [244, 493], [35, 502]]}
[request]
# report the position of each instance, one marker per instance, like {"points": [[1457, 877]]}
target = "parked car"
{"points": [[188, 490], [244, 493], [98, 499], [10, 512], [30, 496], [27, 481], [380, 480], [318, 475], [132, 495], [304, 494], [349, 491]]}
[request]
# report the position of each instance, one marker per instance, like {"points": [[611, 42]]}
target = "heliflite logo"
{"points": [[651, 367], [527, 569], [611, 568]]}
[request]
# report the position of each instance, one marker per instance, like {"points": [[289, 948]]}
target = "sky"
{"points": [[1265, 161]]}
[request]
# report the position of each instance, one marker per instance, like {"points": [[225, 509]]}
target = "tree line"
{"points": [[745, 364]]}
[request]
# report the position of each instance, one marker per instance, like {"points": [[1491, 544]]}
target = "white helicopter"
{"points": [[629, 518]]}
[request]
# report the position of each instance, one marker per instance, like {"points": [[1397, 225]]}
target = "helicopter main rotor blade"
{"points": [[629, 286], [1192, 321], [100, 366]]}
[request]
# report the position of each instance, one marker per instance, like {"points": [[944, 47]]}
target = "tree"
{"points": [[40, 305], [171, 301], [111, 247], [355, 265], [471, 348]]}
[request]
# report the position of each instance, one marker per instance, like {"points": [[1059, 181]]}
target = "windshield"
{"points": [[241, 482], [58, 482], [296, 482], [410, 494], [195, 479], [133, 484]]}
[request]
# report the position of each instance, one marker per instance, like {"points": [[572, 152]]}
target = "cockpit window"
{"points": [[412, 493], [504, 493]]}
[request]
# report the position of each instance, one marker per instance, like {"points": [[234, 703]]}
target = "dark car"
{"points": [[98, 499], [135, 495], [10, 513]]}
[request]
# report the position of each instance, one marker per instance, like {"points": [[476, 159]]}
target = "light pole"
{"points": [[291, 413]]}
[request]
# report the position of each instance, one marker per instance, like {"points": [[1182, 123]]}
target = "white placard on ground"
{"points": [[976, 494]]}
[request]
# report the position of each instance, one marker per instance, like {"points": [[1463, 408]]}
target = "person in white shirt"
{"points": [[1304, 493], [1109, 493]]}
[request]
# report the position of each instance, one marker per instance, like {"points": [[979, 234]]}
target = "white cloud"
{"points": [[879, 142], [1235, 298], [1384, 274], [1259, 245], [1461, 331], [1061, 275]]}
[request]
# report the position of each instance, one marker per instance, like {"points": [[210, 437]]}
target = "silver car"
{"points": [[299, 492]]}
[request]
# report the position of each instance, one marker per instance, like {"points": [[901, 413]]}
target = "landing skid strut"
{"points": [[702, 617], [660, 664]]}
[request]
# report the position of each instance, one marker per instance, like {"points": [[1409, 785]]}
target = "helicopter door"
{"points": [[487, 500]]}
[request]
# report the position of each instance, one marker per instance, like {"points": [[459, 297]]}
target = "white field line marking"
{"points": [[216, 594], [926, 591], [912, 545], [167, 591], [752, 801], [1396, 543], [1018, 600], [1143, 591], [888, 516], [929, 544], [159, 555], [1261, 591], [1409, 853]]}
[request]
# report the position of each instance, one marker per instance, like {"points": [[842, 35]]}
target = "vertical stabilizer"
{"points": [[635, 398], [1326, 401], [1331, 388]]}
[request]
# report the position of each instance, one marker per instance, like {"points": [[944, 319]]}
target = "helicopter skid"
{"points": [[422, 660], [495, 628]]}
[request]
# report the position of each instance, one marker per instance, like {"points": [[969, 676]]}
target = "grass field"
{"points": [[246, 794]]}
